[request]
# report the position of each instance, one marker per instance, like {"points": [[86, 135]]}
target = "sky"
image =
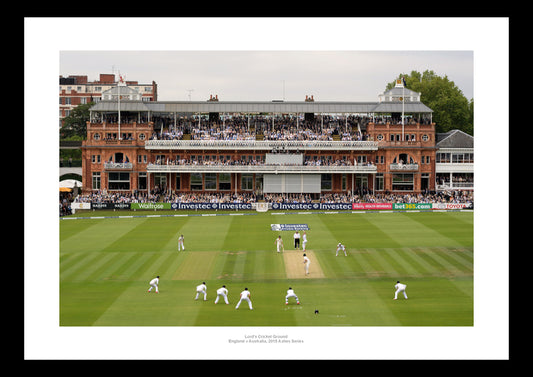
{"points": [[264, 75]]}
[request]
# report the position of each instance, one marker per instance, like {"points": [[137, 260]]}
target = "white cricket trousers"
{"points": [[153, 286], [337, 253], [224, 296], [398, 291], [180, 246], [307, 267], [245, 299], [291, 295], [198, 294]]}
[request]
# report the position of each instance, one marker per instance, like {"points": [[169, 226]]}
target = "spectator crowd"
{"points": [[361, 196], [322, 128]]}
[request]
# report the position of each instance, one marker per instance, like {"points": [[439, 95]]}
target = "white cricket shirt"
{"points": [[400, 286]]}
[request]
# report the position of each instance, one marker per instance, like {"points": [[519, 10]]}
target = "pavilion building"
{"points": [[266, 147]]}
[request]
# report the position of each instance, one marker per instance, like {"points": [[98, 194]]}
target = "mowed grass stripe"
{"points": [[399, 267], [234, 266], [110, 262], [341, 266], [74, 264], [381, 306], [406, 231], [66, 260], [450, 268], [447, 224], [370, 265], [410, 268], [69, 261], [381, 259], [269, 265], [249, 271], [205, 233], [143, 238], [428, 268], [259, 266], [88, 267], [353, 232], [346, 267], [195, 265], [467, 261], [96, 237], [159, 266], [67, 231], [131, 270]]}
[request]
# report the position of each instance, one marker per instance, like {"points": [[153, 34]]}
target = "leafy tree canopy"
{"points": [[451, 109], [75, 125]]}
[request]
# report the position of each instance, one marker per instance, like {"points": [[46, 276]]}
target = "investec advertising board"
{"points": [[192, 206], [175, 206], [312, 206]]}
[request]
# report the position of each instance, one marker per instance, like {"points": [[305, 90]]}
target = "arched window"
{"points": [[403, 158], [121, 157]]}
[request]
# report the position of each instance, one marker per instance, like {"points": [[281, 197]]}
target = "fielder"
{"points": [[307, 262], [245, 295], [304, 241], [340, 247], [290, 293], [279, 244], [400, 288], [222, 292], [154, 283], [202, 288], [180, 243]]}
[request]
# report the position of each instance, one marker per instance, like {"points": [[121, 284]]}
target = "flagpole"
{"points": [[118, 87], [403, 106]]}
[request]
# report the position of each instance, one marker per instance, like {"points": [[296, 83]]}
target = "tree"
{"points": [[451, 109], [75, 125]]}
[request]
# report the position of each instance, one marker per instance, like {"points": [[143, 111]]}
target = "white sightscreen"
{"points": [[272, 183], [291, 183]]}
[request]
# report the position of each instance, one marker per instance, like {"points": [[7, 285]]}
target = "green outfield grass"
{"points": [[106, 264]]}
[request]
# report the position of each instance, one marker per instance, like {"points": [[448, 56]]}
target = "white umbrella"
{"points": [[69, 183]]}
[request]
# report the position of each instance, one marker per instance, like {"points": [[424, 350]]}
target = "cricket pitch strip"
{"points": [[294, 266]]}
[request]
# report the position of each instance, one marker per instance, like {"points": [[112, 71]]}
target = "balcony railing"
{"points": [[403, 167], [455, 185], [262, 144], [264, 169], [118, 165]]}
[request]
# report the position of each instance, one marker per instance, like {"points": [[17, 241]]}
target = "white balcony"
{"points": [[455, 186], [118, 165], [260, 169], [301, 145], [403, 167]]}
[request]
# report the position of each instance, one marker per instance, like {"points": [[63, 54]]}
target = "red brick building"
{"points": [[76, 90], [214, 146]]}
